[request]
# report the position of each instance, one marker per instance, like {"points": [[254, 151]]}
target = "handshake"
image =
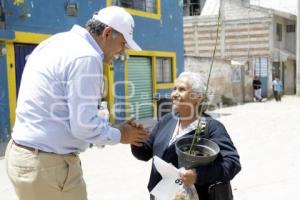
{"points": [[133, 133]]}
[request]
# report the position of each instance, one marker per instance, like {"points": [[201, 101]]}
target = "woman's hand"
{"points": [[188, 177]]}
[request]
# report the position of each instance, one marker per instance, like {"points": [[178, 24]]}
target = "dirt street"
{"points": [[266, 134]]}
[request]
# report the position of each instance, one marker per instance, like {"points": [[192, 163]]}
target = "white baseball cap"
{"points": [[120, 20]]}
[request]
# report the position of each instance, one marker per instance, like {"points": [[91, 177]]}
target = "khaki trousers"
{"points": [[44, 176]]}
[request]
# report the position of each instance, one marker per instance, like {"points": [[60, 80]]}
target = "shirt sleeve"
{"points": [[83, 91], [145, 152]]}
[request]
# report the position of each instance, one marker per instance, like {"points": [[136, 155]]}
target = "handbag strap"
{"points": [[204, 130]]}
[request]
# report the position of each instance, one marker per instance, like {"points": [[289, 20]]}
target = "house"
{"points": [[252, 41], [133, 85]]}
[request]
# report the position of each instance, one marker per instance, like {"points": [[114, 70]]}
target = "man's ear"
{"points": [[106, 33]]}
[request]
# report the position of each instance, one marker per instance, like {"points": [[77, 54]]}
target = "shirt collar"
{"points": [[189, 128], [87, 36]]}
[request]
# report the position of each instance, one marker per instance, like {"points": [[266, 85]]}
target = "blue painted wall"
{"points": [[48, 17], [4, 107], [44, 16], [119, 90], [165, 34]]}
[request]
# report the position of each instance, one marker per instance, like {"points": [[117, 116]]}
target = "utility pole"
{"points": [[222, 37], [298, 50]]}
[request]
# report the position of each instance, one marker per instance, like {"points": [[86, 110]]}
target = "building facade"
{"points": [[252, 41], [134, 83]]}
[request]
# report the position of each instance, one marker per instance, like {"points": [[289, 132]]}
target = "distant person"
{"points": [[257, 89], [277, 88]]}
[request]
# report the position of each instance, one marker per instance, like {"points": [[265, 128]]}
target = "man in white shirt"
{"points": [[56, 115]]}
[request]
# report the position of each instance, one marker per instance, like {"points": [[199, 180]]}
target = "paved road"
{"points": [[266, 134]]}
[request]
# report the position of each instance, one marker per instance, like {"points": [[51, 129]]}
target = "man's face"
{"points": [[113, 43]]}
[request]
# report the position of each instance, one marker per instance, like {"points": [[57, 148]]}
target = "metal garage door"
{"points": [[140, 87]]}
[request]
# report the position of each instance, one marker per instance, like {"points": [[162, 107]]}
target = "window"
{"points": [[163, 70], [193, 7], [261, 66], [290, 28], [279, 32], [142, 5], [236, 75], [163, 66]]}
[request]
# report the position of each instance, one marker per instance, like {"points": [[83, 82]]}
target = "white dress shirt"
{"points": [[59, 93]]}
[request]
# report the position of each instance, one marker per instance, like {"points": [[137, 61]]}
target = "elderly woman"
{"points": [[186, 98]]}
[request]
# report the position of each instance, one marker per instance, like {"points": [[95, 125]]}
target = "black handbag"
{"points": [[220, 191]]}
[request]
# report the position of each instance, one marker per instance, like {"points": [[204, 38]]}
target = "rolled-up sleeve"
{"points": [[84, 82]]}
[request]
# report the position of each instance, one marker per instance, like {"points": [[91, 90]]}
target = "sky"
{"points": [[282, 5]]}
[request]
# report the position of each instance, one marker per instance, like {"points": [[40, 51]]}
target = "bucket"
{"points": [[206, 152]]}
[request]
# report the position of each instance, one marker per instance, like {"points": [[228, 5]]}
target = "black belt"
{"points": [[36, 151], [29, 148]]}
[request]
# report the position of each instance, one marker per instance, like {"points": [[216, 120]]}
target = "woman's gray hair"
{"points": [[196, 82]]}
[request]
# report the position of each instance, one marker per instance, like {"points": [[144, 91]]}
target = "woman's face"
{"points": [[183, 99]]}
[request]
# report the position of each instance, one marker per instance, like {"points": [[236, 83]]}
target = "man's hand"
{"points": [[188, 177], [133, 133], [133, 123]]}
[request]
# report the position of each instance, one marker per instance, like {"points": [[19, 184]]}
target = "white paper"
{"points": [[170, 183]]}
